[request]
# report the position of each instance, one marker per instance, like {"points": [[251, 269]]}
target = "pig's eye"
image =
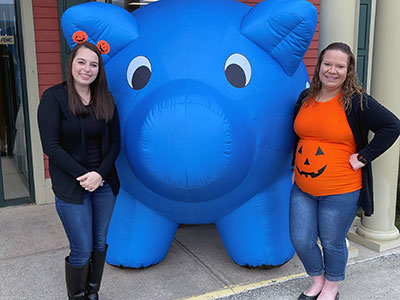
{"points": [[139, 72], [238, 70]]}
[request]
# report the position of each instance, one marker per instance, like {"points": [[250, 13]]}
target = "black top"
{"points": [[63, 138], [93, 129], [376, 118]]}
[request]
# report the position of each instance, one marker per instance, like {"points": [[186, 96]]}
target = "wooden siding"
{"points": [[47, 37], [311, 56], [251, 2]]}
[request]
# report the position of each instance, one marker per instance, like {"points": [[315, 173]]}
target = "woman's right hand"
{"points": [[293, 177], [354, 162], [90, 181]]}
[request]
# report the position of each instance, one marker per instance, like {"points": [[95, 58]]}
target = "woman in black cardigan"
{"points": [[80, 134], [331, 184]]}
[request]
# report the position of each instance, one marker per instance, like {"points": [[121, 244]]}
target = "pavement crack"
{"points": [[204, 265], [31, 254]]}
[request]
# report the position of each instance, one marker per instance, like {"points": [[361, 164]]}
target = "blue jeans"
{"points": [[86, 224], [326, 217]]}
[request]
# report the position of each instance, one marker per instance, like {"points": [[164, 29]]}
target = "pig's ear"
{"points": [[108, 26], [283, 28]]}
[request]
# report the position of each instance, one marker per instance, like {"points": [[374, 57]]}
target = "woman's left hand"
{"points": [[354, 162], [90, 181]]}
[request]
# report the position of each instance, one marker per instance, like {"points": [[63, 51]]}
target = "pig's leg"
{"points": [[138, 236], [257, 233]]}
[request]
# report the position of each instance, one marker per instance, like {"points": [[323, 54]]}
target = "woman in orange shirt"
{"points": [[332, 171]]}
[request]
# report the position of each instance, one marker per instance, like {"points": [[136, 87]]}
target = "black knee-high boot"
{"points": [[76, 279], [95, 274]]}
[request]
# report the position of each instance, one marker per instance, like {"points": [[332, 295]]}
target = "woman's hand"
{"points": [[90, 181], [354, 162], [293, 177]]}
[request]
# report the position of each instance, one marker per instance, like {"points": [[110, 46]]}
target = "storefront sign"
{"points": [[6, 40]]}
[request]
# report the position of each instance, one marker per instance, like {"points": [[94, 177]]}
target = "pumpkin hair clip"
{"points": [[80, 37], [103, 47]]}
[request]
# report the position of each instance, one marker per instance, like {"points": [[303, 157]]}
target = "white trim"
{"points": [[371, 45], [32, 86]]}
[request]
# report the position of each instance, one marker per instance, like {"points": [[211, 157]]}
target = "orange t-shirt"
{"points": [[322, 164]]}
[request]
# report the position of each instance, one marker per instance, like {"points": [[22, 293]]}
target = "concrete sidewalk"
{"points": [[33, 246]]}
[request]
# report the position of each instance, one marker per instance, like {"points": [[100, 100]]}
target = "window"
{"points": [[131, 5], [15, 164]]}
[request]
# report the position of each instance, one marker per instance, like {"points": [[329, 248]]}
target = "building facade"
{"points": [[33, 53]]}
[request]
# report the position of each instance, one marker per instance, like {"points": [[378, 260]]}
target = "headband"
{"points": [[81, 37]]}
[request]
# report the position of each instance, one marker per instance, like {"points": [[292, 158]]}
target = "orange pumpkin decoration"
{"points": [[80, 37], [103, 46], [316, 162]]}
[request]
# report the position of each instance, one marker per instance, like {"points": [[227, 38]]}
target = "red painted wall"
{"points": [[45, 18], [311, 56]]}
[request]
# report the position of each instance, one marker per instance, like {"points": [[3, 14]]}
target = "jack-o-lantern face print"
{"points": [[311, 163], [80, 37], [103, 47]]}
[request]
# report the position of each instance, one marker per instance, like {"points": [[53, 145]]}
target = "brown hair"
{"points": [[350, 86], [101, 101]]}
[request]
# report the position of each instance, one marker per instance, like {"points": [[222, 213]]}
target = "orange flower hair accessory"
{"points": [[103, 46], [80, 37]]}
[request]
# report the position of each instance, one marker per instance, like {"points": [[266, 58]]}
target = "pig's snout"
{"points": [[187, 142]]}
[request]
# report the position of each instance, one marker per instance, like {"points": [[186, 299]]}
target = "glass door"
{"points": [[15, 164]]}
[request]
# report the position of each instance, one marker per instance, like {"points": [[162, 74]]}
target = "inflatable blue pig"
{"points": [[205, 92]]}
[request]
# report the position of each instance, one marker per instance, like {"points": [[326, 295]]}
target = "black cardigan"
{"points": [[64, 141], [379, 120]]}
